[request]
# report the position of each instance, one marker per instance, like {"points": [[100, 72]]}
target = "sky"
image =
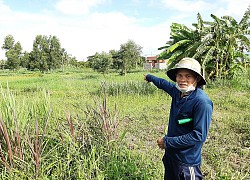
{"points": [[85, 27]]}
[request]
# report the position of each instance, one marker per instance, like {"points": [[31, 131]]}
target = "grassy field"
{"points": [[83, 125]]}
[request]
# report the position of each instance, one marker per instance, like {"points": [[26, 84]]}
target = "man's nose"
{"points": [[183, 79]]}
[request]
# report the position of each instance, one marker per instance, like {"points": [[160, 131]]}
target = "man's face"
{"points": [[185, 78]]}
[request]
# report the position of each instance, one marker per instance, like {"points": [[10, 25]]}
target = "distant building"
{"points": [[153, 63]]}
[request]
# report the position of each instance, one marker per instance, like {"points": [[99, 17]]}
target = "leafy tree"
{"points": [[73, 61], [64, 57], [13, 52], [25, 60], [117, 61], [12, 59], [90, 60], [82, 64], [40, 54], [130, 56], [101, 62], [67, 59], [141, 61], [55, 53], [14, 56], [2, 64], [46, 54], [8, 42]]}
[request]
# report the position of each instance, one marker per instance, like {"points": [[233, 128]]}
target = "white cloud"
{"points": [[236, 9], [77, 6], [100, 32], [82, 36], [3, 8], [103, 32], [185, 11], [186, 6]]}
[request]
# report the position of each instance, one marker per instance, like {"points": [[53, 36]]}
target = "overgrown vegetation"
{"points": [[220, 45], [83, 125]]}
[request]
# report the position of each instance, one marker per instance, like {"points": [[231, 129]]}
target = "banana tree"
{"points": [[230, 43], [186, 42], [217, 45], [183, 43]]}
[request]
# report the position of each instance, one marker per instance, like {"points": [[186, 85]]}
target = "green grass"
{"points": [[63, 115]]}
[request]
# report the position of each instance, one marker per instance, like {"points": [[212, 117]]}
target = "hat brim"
{"points": [[172, 75]]}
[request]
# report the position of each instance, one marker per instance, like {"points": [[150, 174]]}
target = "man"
{"points": [[189, 121]]}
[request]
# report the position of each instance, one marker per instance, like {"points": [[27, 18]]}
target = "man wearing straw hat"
{"points": [[189, 120]]}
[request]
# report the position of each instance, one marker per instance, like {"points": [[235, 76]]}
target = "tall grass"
{"points": [[82, 145], [127, 88], [83, 125]]}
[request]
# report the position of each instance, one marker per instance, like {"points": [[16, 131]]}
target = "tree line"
{"points": [[47, 54], [128, 57]]}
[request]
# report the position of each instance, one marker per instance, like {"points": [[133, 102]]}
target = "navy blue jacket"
{"points": [[183, 142]]}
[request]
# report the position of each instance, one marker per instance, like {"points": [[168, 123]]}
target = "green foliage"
{"points": [[123, 60], [101, 62], [13, 52], [125, 164], [183, 43], [82, 145], [117, 62], [54, 52], [8, 42], [24, 62], [227, 148], [125, 88], [217, 45], [130, 56], [46, 54], [39, 54]]}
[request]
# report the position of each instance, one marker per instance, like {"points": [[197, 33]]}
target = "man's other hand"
{"points": [[160, 143]]}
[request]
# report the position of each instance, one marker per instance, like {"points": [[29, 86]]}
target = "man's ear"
{"points": [[198, 79]]}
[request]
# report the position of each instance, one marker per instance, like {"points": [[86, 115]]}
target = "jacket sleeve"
{"points": [[161, 84], [201, 122]]}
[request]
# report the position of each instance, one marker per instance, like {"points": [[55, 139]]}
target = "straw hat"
{"points": [[187, 63]]}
